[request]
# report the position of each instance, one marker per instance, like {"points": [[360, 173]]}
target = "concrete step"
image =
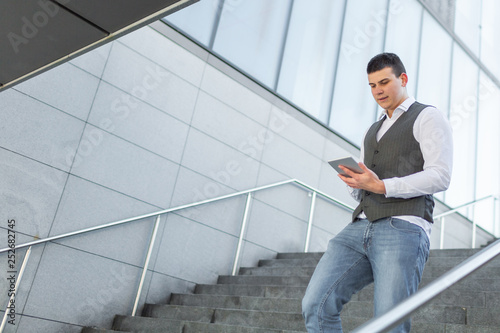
{"points": [[454, 261], [450, 328], [481, 273], [248, 318], [294, 281], [160, 325], [238, 302], [99, 330], [432, 313], [277, 271], [249, 290], [463, 253], [477, 285], [438, 260], [300, 255], [484, 316], [306, 262], [430, 271]]}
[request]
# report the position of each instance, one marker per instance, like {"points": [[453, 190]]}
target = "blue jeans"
{"points": [[389, 252]]}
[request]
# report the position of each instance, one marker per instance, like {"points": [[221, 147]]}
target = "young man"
{"points": [[407, 156]]}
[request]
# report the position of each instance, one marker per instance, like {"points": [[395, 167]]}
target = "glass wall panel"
{"points": [[490, 36], [468, 22], [434, 68], [488, 150], [310, 57], [196, 20], [403, 36], [251, 35], [353, 107], [463, 119]]}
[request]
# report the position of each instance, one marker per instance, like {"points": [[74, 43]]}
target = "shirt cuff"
{"points": [[390, 187]]}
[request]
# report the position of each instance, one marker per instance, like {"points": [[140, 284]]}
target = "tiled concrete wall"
{"points": [[136, 126]]}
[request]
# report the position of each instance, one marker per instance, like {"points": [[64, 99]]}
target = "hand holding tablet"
{"points": [[347, 162]]}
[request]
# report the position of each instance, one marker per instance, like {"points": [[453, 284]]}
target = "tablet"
{"points": [[348, 162]]}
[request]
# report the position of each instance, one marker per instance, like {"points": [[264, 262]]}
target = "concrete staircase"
{"points": [[267, 299]]}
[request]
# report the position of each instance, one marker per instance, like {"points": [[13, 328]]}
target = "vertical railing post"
{"points": [[441, 238], [146, 264], [16, 288], [309, 222], [242, 233], [495, 221], [474, 231]]}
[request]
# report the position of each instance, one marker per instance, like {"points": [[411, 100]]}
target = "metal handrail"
{"points": [[158, 215], [465, 205], [403, 310], [474, 224], [315, 192], [169, 210]]}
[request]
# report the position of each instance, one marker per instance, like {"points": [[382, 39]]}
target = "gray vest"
{"points": [[397, 154]]}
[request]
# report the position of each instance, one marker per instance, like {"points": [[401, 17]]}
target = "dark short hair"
{"points": [[383, 60]]}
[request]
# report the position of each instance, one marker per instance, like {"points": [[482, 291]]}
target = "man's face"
{"points": [[388, 90]]}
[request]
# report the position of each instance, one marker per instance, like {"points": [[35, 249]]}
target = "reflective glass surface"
{"points": [[310, 56], [434, 68], [353, 107], [403, 40], [251, 36], [490, 36], [197, 20], [463, 120], [467, 23], [488, 150]]}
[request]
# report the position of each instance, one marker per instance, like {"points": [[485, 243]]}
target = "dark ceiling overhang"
{"points": [[36, 35]]}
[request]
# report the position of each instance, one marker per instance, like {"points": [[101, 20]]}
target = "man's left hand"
{"points": [[367, 180]]}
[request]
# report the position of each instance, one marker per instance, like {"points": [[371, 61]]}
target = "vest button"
{"points": [[367, 193], [376, 151], [373, 165]]}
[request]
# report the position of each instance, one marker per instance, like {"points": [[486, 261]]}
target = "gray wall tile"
{"points": [[93, 61], [36, 325], [79, 210], [295, 131], [220, 121], [150, 82], [266, 226], [117, 164], [225, 215], [319, 240], [193, 187], [166, 53], [218, 161], [66, 87], [235, 95], [32, 262], [30, 193], [268, 175], [81, 288], [292, 160], [252, 253], [162, 286], [127, 117], [36, 130], [193, 252], [289, 198]]}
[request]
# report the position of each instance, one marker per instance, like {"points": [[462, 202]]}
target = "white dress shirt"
{"points": [[433, 132]]}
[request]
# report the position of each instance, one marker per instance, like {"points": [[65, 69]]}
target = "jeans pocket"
{"points": [[405, 226]]}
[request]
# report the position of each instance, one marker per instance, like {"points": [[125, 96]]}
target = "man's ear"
{"points": [[404, 79]]}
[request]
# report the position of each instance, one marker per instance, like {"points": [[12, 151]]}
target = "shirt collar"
{"points": [[403, 107]]}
